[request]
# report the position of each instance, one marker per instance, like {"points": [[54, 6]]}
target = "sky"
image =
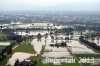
{"points": [[56, 5]]}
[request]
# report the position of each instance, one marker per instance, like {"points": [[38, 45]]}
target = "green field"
{"points": [[27, 48]]}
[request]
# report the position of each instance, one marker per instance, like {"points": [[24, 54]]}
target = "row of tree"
{"points": [[6, 51], [92, 44], [17, 38]]}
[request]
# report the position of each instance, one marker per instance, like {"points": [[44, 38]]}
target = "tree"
{"points": [[67, 34], [92, 39], [16, 63], [27, 31], [52, 45], [86, 37], [2, 56], [1, 27], [46, 35], [71, 34], [35, 62], [17, 38], [51, 33], [52, 37], [63, 44], [39, 36], [81, 33], [48, 27], [97, 38]]}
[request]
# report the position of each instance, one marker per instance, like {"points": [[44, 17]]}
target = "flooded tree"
{"points": [[86, 37], [46, 35], [92, 39], [97, 38], [39, 36], [52, 39]]}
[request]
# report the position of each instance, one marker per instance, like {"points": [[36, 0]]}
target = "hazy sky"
{"points": [[59, 5]]}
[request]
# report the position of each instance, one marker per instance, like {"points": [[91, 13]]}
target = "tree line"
{"points": [[92, 44], [8, 49]]}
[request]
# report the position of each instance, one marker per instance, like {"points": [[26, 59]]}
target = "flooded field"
{"points": [[60, 52]]}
